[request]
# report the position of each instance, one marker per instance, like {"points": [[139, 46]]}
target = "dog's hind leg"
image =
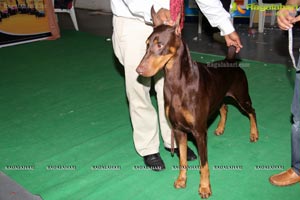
{"points": [[181, 139], [252, 117], [204, 187], [223, 115], [240, 92], [244, 102]]}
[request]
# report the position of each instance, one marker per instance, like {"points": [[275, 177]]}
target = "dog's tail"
{"points": [[231, 55]]}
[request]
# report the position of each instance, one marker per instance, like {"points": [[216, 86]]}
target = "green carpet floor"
{"points": [[64, 115]]}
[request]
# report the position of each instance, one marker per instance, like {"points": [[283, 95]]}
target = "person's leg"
{"points": [[129, 42], [292, 175], [296, 126]]}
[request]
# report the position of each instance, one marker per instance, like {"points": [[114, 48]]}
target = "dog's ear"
{"points": [[155, 19]]}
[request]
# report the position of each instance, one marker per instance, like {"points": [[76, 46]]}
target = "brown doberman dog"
{"points": [[193, 92]]}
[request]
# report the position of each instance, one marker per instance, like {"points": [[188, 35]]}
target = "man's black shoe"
{"points": [[190, 154], [154, 162]]}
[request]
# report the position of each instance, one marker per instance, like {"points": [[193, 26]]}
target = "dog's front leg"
{"points": [[181, 139], [204, 187]]}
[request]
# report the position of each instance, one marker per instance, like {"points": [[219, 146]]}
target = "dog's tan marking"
{"points": [[183, 165], [167, 110], [204, 188], [188, 116], [221, 126], [152, 65], [253, 129], [160, 61], [172, 50], [170, 64]]}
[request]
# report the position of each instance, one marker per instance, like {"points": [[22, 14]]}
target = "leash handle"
{"points": [[291, 49], [290, 32]]}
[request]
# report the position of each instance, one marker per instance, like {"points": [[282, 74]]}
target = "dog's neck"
{"points": [[181, 66]]}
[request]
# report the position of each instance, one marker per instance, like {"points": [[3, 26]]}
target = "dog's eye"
{"points": [[159, 45]]}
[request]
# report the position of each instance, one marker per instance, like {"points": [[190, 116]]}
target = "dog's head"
{"points": [[162, 45]]}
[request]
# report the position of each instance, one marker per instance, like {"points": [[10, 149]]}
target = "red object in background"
{"points": [[176, 7]]}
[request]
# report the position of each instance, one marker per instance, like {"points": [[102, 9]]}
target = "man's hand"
{"points": [[233, 39], [286, 18]]}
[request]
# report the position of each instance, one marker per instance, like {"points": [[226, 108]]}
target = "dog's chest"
{"points": [[179, 113]]}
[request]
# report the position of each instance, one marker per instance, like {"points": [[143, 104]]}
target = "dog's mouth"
{"points": [[146, 71]]}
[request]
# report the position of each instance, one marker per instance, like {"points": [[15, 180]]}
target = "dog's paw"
{"points": [[219, 131], [205, 192], [180, 183], [253, 137]]}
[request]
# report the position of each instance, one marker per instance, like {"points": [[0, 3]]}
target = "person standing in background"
{"points": [[286, 18]]}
